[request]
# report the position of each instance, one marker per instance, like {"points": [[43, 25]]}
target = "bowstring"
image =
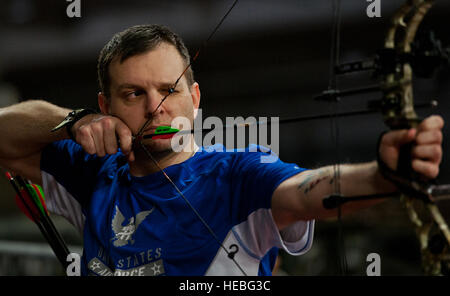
{"points": [[335, 133], [138, 139]]}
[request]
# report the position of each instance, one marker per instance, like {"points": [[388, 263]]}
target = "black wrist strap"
{"points": [[72, 118]]}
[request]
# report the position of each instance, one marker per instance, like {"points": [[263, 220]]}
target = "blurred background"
{"points": [[269, 58]]}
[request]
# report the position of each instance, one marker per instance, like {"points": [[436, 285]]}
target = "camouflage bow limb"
{"points": [[398, 112]]}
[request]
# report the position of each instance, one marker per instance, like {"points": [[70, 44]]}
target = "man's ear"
{"points": [[103, 103], [195, 94]]}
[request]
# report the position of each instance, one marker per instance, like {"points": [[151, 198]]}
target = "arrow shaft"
{"points": [[283, 121], [40, 218]]}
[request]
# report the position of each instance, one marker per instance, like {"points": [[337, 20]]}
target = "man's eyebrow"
{"points": [[127, 85], [134, 86], [166, 84]]}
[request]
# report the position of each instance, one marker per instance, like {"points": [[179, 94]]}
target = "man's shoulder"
{"points": [[67, 154], [253, 153], [218, 157]]}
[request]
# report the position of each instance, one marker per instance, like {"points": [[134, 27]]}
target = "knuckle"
{"points": [[96, 127], [83, 130], [101, 152], [439, 120], [90, 149], [123, 130], [437, 150], [439, 136], [107, 122], [434, 171], [111, 149], [124, 133], [431, 171], [82, 134]]}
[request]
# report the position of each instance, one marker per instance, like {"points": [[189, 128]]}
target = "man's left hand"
{"points": [[426, 153]]}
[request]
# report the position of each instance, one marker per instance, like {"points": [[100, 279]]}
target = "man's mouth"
{"points": [[149, 130]]}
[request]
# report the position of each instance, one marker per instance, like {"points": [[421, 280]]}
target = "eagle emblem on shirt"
{"points": [[124, 234]]}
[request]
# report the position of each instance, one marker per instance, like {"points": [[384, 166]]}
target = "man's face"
{"points": [[140, 83]]}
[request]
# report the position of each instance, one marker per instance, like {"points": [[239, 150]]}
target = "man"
{"points": [[225, 213]]}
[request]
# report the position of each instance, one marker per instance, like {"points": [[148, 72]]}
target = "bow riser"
{"points": [[399, 113], [398, 93]]}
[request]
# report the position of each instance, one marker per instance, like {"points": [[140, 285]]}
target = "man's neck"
{"points": [[144, 165]]}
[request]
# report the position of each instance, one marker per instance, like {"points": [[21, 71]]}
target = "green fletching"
{"points": [[160, 130], [35, 197], [41, 191]]}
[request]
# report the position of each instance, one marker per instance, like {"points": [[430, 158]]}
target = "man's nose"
{"points": [[153, 103]]}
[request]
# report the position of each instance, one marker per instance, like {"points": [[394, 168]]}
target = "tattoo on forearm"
{"points": [[312, 180]]}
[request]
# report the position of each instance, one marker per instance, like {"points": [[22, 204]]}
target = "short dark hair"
{"points": [[137, 40]]}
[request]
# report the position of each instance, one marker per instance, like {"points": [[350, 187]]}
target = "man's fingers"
{"points": [[398, 138], [97, 134], [85, 139], [109, 135], [429, 137], [434, 122], [100, 135], [125, 137], [428, 152], [131, 157], [425, 168]]}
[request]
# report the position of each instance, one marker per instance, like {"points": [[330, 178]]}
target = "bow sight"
{"points": [[426, 56]]}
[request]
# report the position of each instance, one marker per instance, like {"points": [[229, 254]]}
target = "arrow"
{"points": [[30, 200], [167, 132]]}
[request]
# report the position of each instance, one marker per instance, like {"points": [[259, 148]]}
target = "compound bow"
{"points": [[395, 64]]}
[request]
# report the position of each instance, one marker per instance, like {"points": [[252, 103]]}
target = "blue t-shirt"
{"points": [[142, 226]]}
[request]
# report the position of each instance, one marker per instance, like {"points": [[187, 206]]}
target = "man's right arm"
{"points": [[25, 131]]}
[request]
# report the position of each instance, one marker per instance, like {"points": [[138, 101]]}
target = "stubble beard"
{"points": [[158, 148]]}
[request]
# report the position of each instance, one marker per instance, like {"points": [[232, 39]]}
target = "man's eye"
{"points": [[135, 93], [170, 90]]}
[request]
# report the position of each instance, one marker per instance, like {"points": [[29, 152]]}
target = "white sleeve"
{"points": [[259, 234], [297, 238], [60, 202], [255, 237]]}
